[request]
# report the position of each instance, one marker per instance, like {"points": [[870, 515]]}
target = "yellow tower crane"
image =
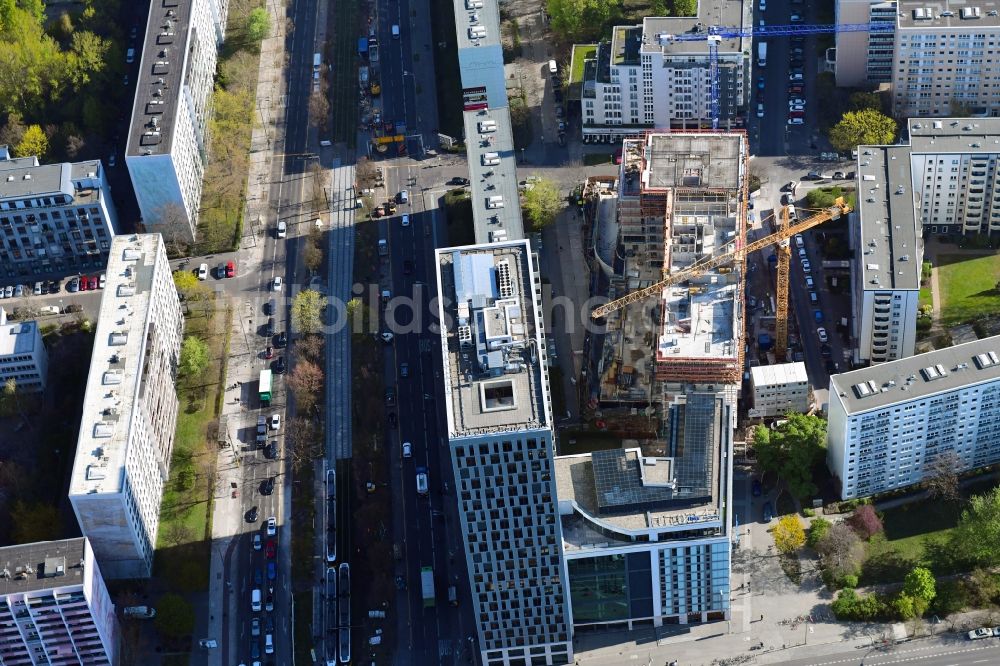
{"points": [[736, 255], [781, 306]]}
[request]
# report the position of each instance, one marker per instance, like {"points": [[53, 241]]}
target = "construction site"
{"points": [[679, 200]]}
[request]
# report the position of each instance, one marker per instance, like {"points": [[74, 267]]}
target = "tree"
{"points": [[865, 521], [983, 587], [841, 550], [258, 25], [312, 257], [976, 538], [575, 20], [303, 440], [174, 616], [360, 315], [920, 584], [817, 530], [33, 522], [319, 110], [311, 347], [12, 133], [542, 202], [307, 311], [189, 286], [792, 450], [194, 358], [788, 534], [88, 56], [171, 221], [864, 100], [33, 143], [306, 383], [940, 475], [864, 127]]}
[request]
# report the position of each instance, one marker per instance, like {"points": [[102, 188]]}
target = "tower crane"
{"points": [[781, 306], [714, 35], [738, 254]]}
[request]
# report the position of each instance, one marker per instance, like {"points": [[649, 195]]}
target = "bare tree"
{"points": [[318, 190], [172, 223], [310, 347], [364, 171], [304, 442], [841, 550], [319, 111], [941, 476]]}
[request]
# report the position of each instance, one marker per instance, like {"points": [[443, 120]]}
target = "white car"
{"points": [[806, 267], [203, 272], [797, 107], [799, 241], [796, 121], [406, 220], [821, 334], [101, 281], [760, 110], [256, 541], [407, 450], [981, 632], [386, 337], [809, 282], [282, 229], [272, 526], [422, 482], [276, 285], [796, 101], [275, 421]]}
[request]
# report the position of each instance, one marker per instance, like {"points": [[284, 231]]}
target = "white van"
{"points": [[491, 159], [496, 201], [255, 600], [395, 31], [553, 68]]}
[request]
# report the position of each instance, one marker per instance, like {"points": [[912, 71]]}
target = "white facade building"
{"points": [[779, 389], [647, 539], [54, 606], [130, 408], [864, 58], [944, 56], [955, 171], [55, 219], [23, 356], [888, 252], [645, 79], [500, 439], [165, 154], [888, 423]]}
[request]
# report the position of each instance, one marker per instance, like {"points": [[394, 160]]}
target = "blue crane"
{"points": [[714, 34]]}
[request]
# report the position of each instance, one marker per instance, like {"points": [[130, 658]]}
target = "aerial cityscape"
{"points": [[499, 332]]}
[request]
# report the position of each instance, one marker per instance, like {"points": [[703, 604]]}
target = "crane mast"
{"points": [[781, 307]]}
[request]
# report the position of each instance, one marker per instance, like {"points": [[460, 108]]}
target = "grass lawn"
{"points": [[594, 159], [925, 297], [580, 53], [967, 287], [341, 54]]}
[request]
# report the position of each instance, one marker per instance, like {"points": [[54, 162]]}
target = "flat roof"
{"points": [[116, 370], [954, 135], [486, 15], [25, 178], [918, 376], [699, 318], [779, 373], [18, 338], [492, 345], [42, 565], [953, 14], [710, 13], [699, 160], [888, 236], [163, 56], [489, 180]]}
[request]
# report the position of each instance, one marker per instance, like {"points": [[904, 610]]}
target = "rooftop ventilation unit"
{"points": [[987, 360], [865, 389], [971, 12], [932, 372]]}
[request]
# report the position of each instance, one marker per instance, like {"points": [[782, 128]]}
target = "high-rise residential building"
{"points": [[55, 219], [779, 389], [864, 58], [888, 251], [23, 357], [129, 409], [647, 536], [500, 440], [54, 606], [889, 424], [955, 172], [943, 56], [165, 153], [644, 78]]}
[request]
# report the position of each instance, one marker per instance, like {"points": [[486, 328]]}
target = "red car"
{"points": [[230, 269], [92, 282], [84, 283], [270, 549]]}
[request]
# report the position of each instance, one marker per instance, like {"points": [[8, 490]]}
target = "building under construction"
{"points": [[681, 199]]}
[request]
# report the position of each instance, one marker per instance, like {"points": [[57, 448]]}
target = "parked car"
{"points": [[980, 633], [256, 542], [276, 284], [458, 180], [230, 269], [272, 570], [768, 512], [407, 449], [271, 450], [279, 366], [251, 514], [421, 480], [267, 486], [270, 549], [272, 526], [821, 334], [38, 290], [203, 272], [281, 341]]}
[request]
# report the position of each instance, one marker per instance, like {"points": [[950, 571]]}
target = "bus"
{"points": [[264, 391]]}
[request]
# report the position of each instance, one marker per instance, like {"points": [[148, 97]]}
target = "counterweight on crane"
{"points": [[733, 256]]}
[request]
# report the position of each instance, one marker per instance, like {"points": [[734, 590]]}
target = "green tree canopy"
{"points": [[976, 539], [258, 25], [33, 521], [920, 584], [189, 286], [542, 202], [33, 143], [174, 616], [792, 450], [863, 127], [194, 357], [307, 311], [575, 20]]}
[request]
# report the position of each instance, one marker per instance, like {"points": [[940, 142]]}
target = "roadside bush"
{"points": [[808, 513], [865, 522], [817, 530], [952, 597], [849, 605]]}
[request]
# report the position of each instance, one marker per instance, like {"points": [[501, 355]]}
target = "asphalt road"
{"points": [[952, 651]]}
